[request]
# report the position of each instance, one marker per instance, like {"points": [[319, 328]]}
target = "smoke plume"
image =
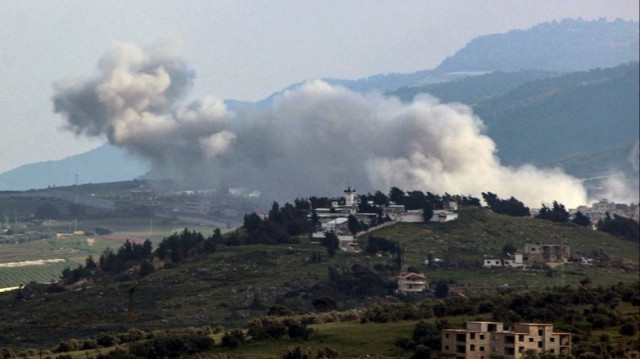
{"points": [[312, 140]]}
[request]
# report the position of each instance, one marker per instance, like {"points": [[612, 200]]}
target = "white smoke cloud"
{"points": [[313, 140], [132, 101], [617, 188]]}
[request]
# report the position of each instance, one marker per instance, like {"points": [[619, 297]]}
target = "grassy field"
{"points": [[350, 339], [480, 232], [74, 249]]}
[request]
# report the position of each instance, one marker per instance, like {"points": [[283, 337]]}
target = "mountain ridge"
{"points": [[114, 165]]}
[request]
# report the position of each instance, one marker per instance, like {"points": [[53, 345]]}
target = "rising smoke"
{"points": [[313, 140]]}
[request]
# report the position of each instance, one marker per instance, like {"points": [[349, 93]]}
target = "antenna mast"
{"points": [[75, 204]]}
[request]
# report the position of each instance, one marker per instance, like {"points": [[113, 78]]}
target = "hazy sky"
{"points": [[242, 50]]}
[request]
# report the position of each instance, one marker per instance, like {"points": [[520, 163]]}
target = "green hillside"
{"points": [[552, 118], [236, 283]]}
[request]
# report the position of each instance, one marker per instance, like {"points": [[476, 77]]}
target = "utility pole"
{"points": [[130, 319], [75, 205]]}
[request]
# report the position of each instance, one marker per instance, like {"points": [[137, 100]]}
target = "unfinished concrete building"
{"points": [[546, 253], [484, 340]]}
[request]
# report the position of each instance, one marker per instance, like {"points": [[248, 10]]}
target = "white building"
{"points": [[443, 215]]}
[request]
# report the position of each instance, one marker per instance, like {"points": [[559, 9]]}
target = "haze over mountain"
{"points": [[562, 38], [584, 122], [568, 45], [103, 164]]}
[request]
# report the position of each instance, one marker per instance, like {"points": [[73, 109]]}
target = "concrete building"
{"points": [[443, 215], [491, 262], [411, 216], [549, 254], [514, 261], [603, 206], [484, 340], [393, 211]]}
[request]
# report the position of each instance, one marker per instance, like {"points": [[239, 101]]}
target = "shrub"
{"points": [[628, 329], [325, 303], [299, 331], [233, 338], [62, 348], [327, 353], [256, 330], [275, 329], [107, 340], [279, 311], [422, 352], [297, 353]]}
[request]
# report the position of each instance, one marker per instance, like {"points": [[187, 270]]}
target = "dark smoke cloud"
{"points": [[315, 139]]}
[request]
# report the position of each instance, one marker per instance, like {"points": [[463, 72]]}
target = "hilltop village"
{"points": [[350, 218], [342, 212]]}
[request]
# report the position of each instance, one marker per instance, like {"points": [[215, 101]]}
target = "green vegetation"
{"points": [[621, 227], [478, 232], [602, 320], [555, 214], [511, 207], [187, 283]]}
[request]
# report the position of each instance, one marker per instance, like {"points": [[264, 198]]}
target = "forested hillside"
{"points": [[556, 117], [585, 122]]}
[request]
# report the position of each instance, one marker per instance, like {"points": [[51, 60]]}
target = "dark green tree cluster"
{"points": [[418, 200], [127, 255], [557, 213], [143, 344], [177, 247], [425, 339], [306, 353], [233, 338], [275, 328], [70, 276], [380, 244], [302, 204], [511, 206], [355, 225], [325, 304], [366, 205], [581, 220], [331, 242], [358, 281], [622, 227], [280, 226], [319, 202], [172, 346], [180, 246]]}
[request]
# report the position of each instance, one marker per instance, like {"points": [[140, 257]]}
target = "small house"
{"points": [[412, 283]]}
